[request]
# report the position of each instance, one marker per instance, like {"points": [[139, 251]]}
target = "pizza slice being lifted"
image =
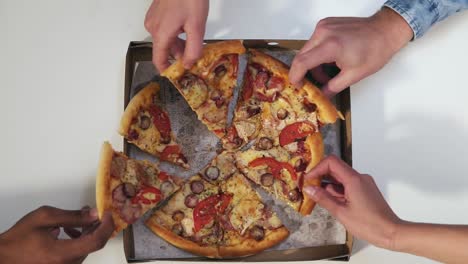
{"points": [[128, 188], [145, 124], [208, 86]]}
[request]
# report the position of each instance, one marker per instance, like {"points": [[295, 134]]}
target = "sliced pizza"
{"points": [[220, 168], [146, 125], [188, 220], [208, 86], [279, 170], [269, 106], [248, 225], [128, 188]]}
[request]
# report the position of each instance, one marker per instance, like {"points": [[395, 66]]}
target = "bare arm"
{"points": [[362, 209]]}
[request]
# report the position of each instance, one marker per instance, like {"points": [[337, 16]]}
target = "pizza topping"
{"points": [[233, 138], [225, 222], [275, 83], [300, 165], [163, 176], [129, 190], [310, 107], [167, 188], [295, 131], [267, 179], [187, 225], [206, 210], [171, 153], [282, 114], [130, 212], [294, 195], [220, 71], [197, 187], [212, 173], [133, 173], [274, 222], [218, 98], [215, 115], [275, 166], [118, 166], [265, 143], [177, 229], [178, 216], [118, 196], [161, 122], [191, 200], [145, 122], [253, 110], [246, 129], [132, 135], [257, 233], [147, 195], [195, 89]]}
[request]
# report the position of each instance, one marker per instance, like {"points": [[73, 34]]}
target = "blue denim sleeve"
{"points": [[422, 14]]}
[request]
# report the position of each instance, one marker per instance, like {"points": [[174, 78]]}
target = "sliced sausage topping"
{"points": [[212, 173], [167, 188], [257, 233], [220, 70], [191, 200], [197, 187], [178, 216], [310, 107], [118, 166], [177, 229], [265, 143], [267, 179], [253, 110], [145, 122], [129, 190], [300, 165], [294, 195], [282, 113]]}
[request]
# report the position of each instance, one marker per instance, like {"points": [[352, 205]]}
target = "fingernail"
{"points": [[310, 190], [93, 213]]}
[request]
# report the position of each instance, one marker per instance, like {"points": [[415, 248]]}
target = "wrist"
{"points": [[396, 30], [398, 235]]}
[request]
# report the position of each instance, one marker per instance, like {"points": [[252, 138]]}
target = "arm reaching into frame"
{"points": [[362, 209]]}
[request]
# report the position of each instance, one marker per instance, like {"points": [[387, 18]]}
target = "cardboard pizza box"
{"points": [[139, 51]]}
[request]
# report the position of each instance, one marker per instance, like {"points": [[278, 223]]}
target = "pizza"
{"points": [[128, 188], [208, 86], [280, 170], [146, 125], [218, 221]]}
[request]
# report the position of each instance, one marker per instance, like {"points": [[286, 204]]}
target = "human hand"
{"points": [[361, 208], [358, 46], [166, 19], [34, 238]]}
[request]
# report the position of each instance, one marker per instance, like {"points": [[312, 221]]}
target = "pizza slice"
{"points": [[269, 104], [208, 86], [188, 220], [146, 125], [280, 170], [248, 225], [220, 168], [128, 187]]}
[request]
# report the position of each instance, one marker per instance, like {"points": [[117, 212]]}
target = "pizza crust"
{"points": [[250, 246], [143, 98], [103, 197], [210, 51], [210, 251], [327, 112], [315, 144]]}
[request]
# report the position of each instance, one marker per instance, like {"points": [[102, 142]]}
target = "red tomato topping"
{"points": [[275, 166], [161, 121], [295, 132], [141, 198], [234, 58], [247, 90], [163, 176], [170, 152], [206, 210]]}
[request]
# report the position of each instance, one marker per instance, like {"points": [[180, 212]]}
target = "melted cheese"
{"points": [[187, 225], [130, 175], [246, 213]]}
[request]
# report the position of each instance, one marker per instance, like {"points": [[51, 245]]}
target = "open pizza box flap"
{"points": [[142, 52]]}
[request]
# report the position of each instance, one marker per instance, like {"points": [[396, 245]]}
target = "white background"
{"points": [[61, 81]]}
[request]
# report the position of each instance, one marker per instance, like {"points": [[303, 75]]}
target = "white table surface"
{"points": [[62, 74]]}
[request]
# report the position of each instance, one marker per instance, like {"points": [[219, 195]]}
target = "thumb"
{"points": [[340, 82], [323, 198]]}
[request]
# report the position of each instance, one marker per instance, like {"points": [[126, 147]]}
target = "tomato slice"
{"points": [[225, 199], [171, 152], [275, 166], [161, 121], [204, 212], [141, 196], [295, 132], [163, 176], [247, 90]]}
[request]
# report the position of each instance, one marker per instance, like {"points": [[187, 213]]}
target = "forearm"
{"points": [[421, 15], [445, 243]]}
